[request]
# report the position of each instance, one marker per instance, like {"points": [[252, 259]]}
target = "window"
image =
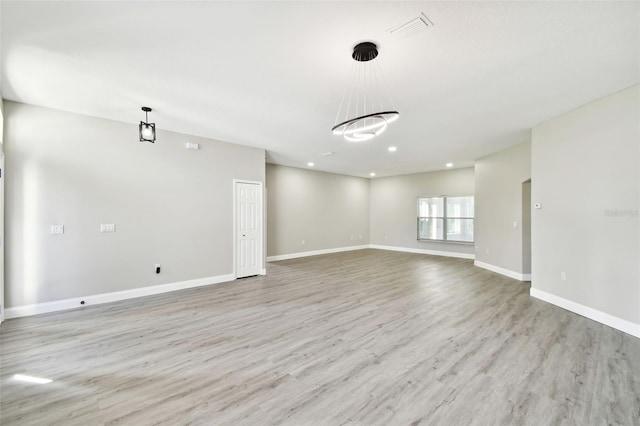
{"points": [[446, 219]]}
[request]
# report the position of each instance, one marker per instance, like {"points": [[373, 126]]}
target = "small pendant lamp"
{"points": [[147, 130]]}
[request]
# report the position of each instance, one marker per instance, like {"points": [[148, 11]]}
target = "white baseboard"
{"points": [[370, 246], [423, 251], [314, 253], [594, 314], [95, 299], [502, 271]]}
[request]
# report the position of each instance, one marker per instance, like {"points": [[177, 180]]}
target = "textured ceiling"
{"points": [[272, 74]]}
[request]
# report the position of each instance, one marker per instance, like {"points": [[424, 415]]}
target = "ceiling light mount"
{"points": [[146, 130], [369, 108], [365, 51]]}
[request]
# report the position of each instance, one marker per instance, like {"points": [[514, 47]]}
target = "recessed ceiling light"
{"points": [[372, 174], [310, 164], [392, 149], [31, 379], [449, 164]]}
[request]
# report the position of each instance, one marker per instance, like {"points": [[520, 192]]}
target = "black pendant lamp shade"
{"points": [[147, 130]]}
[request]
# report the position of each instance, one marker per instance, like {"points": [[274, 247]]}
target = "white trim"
{"points": [[264, 271], [96, 299], [593, 314], [3, 173], [314, 253], [260, 221], [423, 251], [502, 271], [369, 246]]}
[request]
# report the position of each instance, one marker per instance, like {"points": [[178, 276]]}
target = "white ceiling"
{"points": [[272, 74]]}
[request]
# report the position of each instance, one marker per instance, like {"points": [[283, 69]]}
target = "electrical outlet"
{"points": [[157, 268], [303, 242], [57, 229], [107, 227], [352, 238], [563, 276]]}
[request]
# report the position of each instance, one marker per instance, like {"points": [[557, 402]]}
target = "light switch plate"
{"points": [[57, 229]]}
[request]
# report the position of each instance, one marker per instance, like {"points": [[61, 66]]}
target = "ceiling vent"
{"points": [[412, 27], [327, 154]]}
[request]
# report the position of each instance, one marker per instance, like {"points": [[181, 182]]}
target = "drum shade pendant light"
{"points": [[147, 130], [369, 107]]}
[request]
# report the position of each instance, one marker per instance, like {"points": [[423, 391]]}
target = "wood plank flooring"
{"points": [[367, 337]]}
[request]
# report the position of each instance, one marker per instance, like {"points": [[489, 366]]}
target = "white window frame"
{"points": [[444, 218]]}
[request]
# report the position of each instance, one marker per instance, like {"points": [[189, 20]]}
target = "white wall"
{"points": [[586, 174], [499, 200], [326, 210], [394, 207], [1, 120], [170, 205], [2, 170]]}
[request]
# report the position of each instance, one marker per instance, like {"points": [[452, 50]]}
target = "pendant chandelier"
{"points": [[369, 108]]}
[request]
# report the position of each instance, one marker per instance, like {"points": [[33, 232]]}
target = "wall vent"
{"points": [[412, 27]]}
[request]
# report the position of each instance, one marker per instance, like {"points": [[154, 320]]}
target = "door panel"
{"points": [[248, 229]]}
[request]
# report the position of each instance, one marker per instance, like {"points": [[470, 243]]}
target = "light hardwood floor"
{"points": [[367, 337]]}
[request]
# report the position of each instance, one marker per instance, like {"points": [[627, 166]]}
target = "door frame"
{"points": [[2, 234], [260, 224]]}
